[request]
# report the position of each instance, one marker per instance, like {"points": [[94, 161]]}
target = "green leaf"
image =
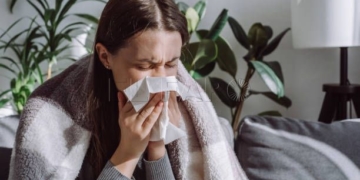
{"points": [[283, 101], [224, 91], [73, 24], [64, 10], [269, 31], [225, 57], [7, 68], [10, 27], [206, 53], [218, 25], [4, 93], [270, 113], [203, 72], [269, 77], [12, 4], [182, 7], [58, 6], [274, 43], [50, 15], [257, 35], [3, 102], [200, 8], [41, 14], [14, 38], [276, 67], [239, 33], [188, 54], [11, 61], [88, 17], [192, 18]]}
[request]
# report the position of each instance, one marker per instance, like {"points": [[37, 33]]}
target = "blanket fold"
{"points": [[54, 134]]}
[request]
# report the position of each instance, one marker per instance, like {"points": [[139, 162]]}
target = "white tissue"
{"points": [[139, 95]]}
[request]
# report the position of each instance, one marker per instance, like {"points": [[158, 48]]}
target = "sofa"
{"points": [[269, 148]]}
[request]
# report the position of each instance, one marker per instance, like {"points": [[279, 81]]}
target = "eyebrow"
{"points": [[152, 60]]}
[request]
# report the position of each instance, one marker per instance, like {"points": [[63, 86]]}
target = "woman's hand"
{"points": [[135, 131], [156, 150]]}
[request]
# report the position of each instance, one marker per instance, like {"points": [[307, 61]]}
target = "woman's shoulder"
{"points": [[68, 81]]}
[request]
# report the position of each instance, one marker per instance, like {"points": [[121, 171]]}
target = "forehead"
{"points": [[156, 41]]}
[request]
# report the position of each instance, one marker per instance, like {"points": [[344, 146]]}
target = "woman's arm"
{"points": [[157, 164]]}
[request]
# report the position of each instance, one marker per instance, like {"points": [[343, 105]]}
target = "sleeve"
{"points": [[110, 172], [160, 169]]}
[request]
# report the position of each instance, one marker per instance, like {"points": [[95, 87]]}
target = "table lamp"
{"points": [[330, 24]]}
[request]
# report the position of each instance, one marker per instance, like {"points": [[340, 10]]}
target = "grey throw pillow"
{"points": [[281, 149]]}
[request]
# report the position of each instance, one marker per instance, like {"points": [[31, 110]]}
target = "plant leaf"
{"points": [[4, 93], [269, 77], [225, 58], [218, 25], [269, 31], [257, 35], [182, 7], [7, 68], [58, 6], [206, 53], [192, 19], [276, 67], [12, 4], [188, 54], [3, 102], [42, 15], [11, 61], [270, 113], [273, 44], [283, 101], [64, 10], [224, 91], [239, 33], [203, 72], [10, 27], [200, 8], [88, 17]]}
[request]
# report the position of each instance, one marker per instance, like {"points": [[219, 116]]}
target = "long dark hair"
{"points": [[120, 20]]}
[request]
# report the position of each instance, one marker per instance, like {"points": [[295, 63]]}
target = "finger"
{"points": [[172, 100], [153, 117], [149, 107], [128, 107], [124, 104]]}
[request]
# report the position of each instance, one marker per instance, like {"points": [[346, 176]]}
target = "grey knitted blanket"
{"points": [[54, 133]]}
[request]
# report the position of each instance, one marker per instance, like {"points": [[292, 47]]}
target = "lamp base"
{"points": [[334, 106]]}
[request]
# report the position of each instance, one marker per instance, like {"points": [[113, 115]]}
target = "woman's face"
{"points": [[153, 53]]}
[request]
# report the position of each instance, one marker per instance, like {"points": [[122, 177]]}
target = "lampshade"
{"points": [[325, 23]]}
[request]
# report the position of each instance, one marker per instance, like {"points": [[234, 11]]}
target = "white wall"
{"points": [[304, 70]]}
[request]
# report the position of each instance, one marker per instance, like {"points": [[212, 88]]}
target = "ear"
{"points": [[104, 55]]}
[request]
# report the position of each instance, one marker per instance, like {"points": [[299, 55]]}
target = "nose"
{"points": [[159, 71]]}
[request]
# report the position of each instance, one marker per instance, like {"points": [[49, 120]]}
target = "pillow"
{"points": [[279, 148]]}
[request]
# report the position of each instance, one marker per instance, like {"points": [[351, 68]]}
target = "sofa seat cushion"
{"points": [[279, 148]]}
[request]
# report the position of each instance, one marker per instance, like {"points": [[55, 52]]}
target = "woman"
{"points": [[57, 139]]}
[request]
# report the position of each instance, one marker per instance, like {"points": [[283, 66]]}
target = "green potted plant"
{"points": [[200, 58], [46, 40]]}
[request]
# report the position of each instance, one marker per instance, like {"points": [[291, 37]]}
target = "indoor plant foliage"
{"points": [[44, 41], [259, 43], [200, 58]]}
